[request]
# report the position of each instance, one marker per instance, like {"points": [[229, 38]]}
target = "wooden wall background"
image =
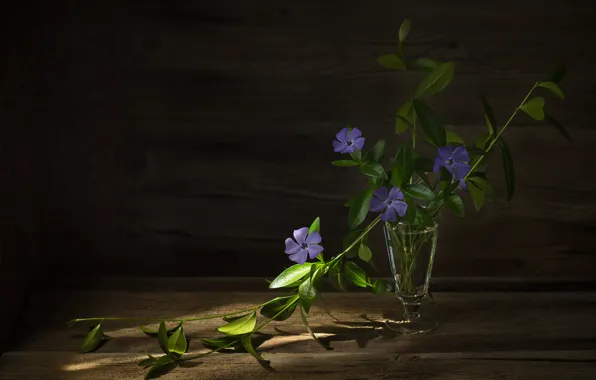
{"points": [[191, 137]]}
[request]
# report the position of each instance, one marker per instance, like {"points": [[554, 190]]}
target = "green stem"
{"points": [[192, 357], [362, 235]]}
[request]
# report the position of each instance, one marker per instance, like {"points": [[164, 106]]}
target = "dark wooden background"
{"points": [[190, 138]]}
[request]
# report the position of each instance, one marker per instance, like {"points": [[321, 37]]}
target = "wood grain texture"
{"points": [[184, 136], [490, 335]]}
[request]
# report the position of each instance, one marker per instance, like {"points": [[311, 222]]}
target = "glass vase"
{"points": [[411, 249]]}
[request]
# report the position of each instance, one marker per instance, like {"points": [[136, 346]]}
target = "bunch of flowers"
{"points": [[412, 189]]}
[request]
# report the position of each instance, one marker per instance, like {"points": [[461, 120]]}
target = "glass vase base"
{"points": [[423, 321]]}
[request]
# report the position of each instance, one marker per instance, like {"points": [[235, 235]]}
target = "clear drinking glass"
{"points": [[411, 250]]}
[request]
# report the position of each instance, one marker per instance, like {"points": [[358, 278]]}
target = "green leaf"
{"points": [[381, 287], [240, 326], [151, 332], [162, 365], [290, 276], [430, 123], [162, 337], [423, 218], [489, 116], [356, 274], [315, 226], [217, 343], [405, 117], [271, 308], [436, 80], [148, 362], [344, 163], [401, 172], [453, 138], [410, 214], [93, 339], [418, 191], [391, 61], [558, 126], [558, 74], [349, 239], [426, 63], [364, 252], [508, 168], [375, 154], [246, 341], [482, 184], [482, 141], [359, 208], [535, 108], [554, 88], [305, 321], [336, 277], [454, 203], [478, 196], [404, 30], [308, 289], [372, 169], [177, 342], [356, 155]]}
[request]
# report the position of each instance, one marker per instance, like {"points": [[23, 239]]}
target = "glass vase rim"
{"points": [[417, 225]]}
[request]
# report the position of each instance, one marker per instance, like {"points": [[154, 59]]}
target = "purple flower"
{"points": [[348, 141], [463, 185], [454, 160], [391, 202], [306, 245]]}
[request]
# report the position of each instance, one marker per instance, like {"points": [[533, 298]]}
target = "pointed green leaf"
{"points": [[508, 168], [217, 343], [482, 141], [93, 339], [344, 163], [290, 276], [554, 88], [359, 208], [356, 274], [423, 218], [375, 154], [381, 287], [489, 116], [401, 172], [418, 191], [558, 74], [315, 226], [454, 203], [162, 337], [391, 61], [271, 308], [482, 184], [404, 30], [356, 155], [431, 124], [426, 63], [372, 169], [535, 108], [558, 126], [308, 289], [478, 196], [240, 326], [148, 362], [405, 118], [351, 238], [152, 332], [364, 252], [410, 214], [162, 365], [436, 80], [247, 344], [177, 342], [305, 321], [453, 138], [336, 277]]}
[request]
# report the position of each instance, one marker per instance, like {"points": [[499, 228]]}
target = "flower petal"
{"points": [[291, 246], [342, 136], [339, 146], [349, 149], [395, 193], [463, 185], [381, 193], [300, 235], [314, 250], [313, 238], [389, 215], [300, 256], [460, 170], [359, 143], [445, 152], [438, 164], [400, 207], [376, 205], [461, 154], [354, 134]]}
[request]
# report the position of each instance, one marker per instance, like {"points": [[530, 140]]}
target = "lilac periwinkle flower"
{"points": [[348, 141], [390, 202], [454, 160], [305, 246]]}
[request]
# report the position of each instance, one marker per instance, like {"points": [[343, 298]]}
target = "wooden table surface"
{"points": [[483, 335]]}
